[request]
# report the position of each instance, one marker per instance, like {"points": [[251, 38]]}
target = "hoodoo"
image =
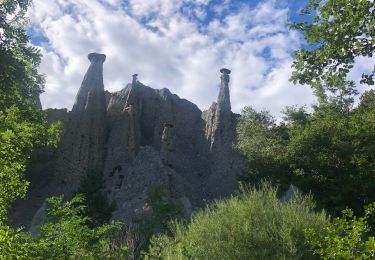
{"points": [[223, 100], [91, 93], [138, 138], [82, 147]]}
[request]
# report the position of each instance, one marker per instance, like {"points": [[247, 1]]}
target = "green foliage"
{"points": [[333, 156], [263, 144], [20, 82], [18, 138], [22, 123], [66, 234], [329, 152], [15, 244], [98, 207], [163, 208], [339, 31], [252, 225], [332, 151], [158, 211], [344, 238]]}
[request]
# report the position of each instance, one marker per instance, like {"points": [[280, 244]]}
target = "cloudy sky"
{"points": [[174, 44]]}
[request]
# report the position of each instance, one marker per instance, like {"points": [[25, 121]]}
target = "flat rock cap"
{"points": [[225, 71], [96, 57]]}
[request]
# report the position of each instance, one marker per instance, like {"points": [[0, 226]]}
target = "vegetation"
{"points": [[324, 150], [263, 144], [321, 152], [22, 123], [98, 208], [23, 127], [252, 225], [328, 152], [65, 235], [344, 238], [163, 208], [159, 210], [340, 31]]}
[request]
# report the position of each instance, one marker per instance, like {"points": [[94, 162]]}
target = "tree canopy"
{"points": [[339, 32], [329, 152]]}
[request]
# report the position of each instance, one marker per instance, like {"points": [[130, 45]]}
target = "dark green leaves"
{"points": [[329, 152]]}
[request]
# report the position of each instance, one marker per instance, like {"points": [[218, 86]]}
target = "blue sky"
{"points": [[176, 44]]}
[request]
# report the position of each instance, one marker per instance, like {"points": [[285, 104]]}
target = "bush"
{"points": [[67, 235], [344, 238], [252, 225]]}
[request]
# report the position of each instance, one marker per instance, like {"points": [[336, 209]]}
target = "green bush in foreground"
{"points": [[65, 235], [345, 237], [252, 225]]}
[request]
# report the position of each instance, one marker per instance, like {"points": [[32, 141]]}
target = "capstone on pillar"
{"points": [[92, 84], [135, 80]]}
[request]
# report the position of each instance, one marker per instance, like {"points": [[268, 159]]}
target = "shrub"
{"points": [[252, 225], [66, 235], [345, 237]]}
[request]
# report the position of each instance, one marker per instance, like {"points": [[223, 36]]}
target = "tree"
{"points": [[329, 152], [339, 32], [263, 144], [20, 82], [23, 127], [22, 122], [98, 207], [332, 155]]}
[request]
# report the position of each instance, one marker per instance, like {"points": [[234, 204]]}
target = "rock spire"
{"points": [[135, 80], [224, 97], [92, 87], [82, 148]]}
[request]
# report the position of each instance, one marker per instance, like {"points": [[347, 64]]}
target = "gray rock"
{"points": [[139, 138], [186, 205], [290, 193], [39, 219]]}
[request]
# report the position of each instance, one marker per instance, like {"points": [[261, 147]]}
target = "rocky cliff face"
{"points": [[139, 138]]}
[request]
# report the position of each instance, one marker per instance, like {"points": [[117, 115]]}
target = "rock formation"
{"points": [[139, 138]]}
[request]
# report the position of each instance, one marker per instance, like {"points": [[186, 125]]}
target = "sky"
{"points": [[176, 44]]}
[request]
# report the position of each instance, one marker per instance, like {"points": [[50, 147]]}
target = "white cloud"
{"points": [[169, 47], [143, 8]]}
